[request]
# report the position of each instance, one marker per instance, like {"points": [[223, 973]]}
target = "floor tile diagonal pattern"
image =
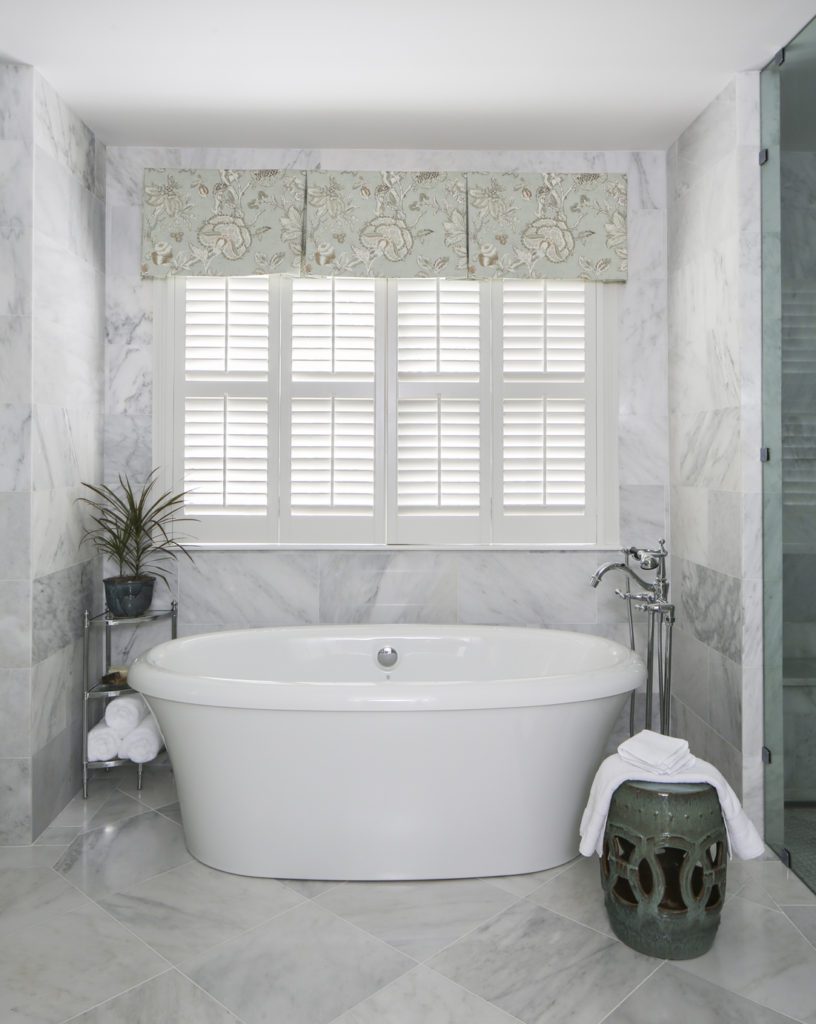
{"points": [[183, 943]]}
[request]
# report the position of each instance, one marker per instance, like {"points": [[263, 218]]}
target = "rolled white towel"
{"points": [[103, 743], [124, 713], [144, 742], [656, 753]]}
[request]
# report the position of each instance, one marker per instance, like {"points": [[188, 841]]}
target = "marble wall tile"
{"points": [[129, 347], [15, 801], [387, 586], [15, 443], [67, 363], [725, 532], [15, 687], [15, 624], [15, 182], [66, 446], [69, 290], [58, 602], [704, 449], [56, 775], [15, 267], [57, 524], [647, 244], [128, 440], [642, 515], [522, 588], [56, 694], [711, 137], [65, 212], [690, 672], [15, 512], [15, 358], [250, 588], [62, 135], [16, 101], [725, 699], [709, 605]]}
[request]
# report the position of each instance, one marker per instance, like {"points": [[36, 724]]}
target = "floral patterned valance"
{"points": [[386, 224], [222, 222], [547, 225]]}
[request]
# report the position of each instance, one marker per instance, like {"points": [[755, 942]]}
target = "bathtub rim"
{"points": [[160, 682]]}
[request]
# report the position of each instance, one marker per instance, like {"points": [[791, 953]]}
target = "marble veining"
{"points": [[65, 137]]}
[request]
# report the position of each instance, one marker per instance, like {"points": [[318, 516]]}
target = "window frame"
{"points": [[493, 530]]}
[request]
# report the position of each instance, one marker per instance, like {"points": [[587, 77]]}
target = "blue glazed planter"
{"points": [[128, 597]]}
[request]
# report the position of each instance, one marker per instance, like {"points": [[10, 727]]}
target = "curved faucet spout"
{"points": [[602, 570]]}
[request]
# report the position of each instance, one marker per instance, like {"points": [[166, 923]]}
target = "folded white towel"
{"points": [[124, 713], [656, 753], [743, 839], [144, 742], [103, 743]]}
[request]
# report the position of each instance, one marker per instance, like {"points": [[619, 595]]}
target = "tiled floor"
{"points": [[108, 920]]}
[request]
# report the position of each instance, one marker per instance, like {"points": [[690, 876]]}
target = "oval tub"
{"points": [[298, 756]]}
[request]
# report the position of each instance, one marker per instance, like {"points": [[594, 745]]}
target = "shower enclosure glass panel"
{"points": [[788, 97]]}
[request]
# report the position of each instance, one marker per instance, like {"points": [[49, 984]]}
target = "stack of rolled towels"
{"points": [[128, 730]]}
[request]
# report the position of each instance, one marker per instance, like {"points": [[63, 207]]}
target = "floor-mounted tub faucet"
{"points": [[652, 599]]}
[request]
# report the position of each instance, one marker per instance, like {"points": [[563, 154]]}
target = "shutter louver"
{"points": [[332, 456], [438, 328], [438, 454], [226, 406], [225, 455], [544, 328], [544, 454], [330, 438], [226, 328]]}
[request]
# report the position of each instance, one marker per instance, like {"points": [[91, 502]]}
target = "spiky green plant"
{"points": [[133, 528]]}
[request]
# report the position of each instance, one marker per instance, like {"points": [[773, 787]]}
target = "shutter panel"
{"points": [[437, 486], [225, 381], [544, 396], [329, 410]]}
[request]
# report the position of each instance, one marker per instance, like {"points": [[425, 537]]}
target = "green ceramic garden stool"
{"points": [[663, 867]]}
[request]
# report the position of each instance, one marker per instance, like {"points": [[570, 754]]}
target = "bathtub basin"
{"points": [[298, 755]]}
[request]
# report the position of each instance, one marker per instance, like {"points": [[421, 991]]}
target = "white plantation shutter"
{"points": [[298, 411], [224, 373], [544, 396], [439, 435], [330, 403]]}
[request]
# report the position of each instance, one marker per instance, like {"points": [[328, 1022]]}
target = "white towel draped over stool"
{"points": [[124, 713], [144, 742], [743, 839], [103, 742]]}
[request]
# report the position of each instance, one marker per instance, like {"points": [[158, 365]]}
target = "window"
{"points": [[361, 411]]}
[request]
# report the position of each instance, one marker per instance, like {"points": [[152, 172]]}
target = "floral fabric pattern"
{"points": [[547, 226], [222, 222], [386, 224]]}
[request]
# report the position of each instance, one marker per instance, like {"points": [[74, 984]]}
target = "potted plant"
{"points": [[133, 529]]}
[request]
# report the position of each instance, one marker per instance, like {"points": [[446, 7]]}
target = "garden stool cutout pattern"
{"points": [[663, 867]]}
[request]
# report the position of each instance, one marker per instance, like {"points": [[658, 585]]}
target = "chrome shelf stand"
{"points": [[98, 691]]}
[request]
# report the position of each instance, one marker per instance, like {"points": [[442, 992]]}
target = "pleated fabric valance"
{"points": [[385, 224]]}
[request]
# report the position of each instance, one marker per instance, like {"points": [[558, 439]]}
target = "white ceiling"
{"points": [[425, 74]]}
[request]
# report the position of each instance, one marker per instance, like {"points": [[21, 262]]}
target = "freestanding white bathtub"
{"points": [[297, 755]]}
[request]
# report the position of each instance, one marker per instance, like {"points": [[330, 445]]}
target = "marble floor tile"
{"points": [[767, 882], [418, 918], [58, 835], [304, 967], [117, 807], [309, 887], [425, 997], [805, 920], [169, 997], [187, 910], [759, 954], [30, 856], [171, 811], [78, 812], [67, 963], [117, 856], [671, 994], [523, 885], [158, 786], [31, 894], [576, 893], [544, 969]]}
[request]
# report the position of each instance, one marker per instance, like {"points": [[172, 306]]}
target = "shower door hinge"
{"points": [[763, 157], [767, 757], [785, 856], [779, 57], [764, 454]]}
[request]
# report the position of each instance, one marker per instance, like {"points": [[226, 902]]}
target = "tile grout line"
{"points": [[629, 995], [482, 999]]}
